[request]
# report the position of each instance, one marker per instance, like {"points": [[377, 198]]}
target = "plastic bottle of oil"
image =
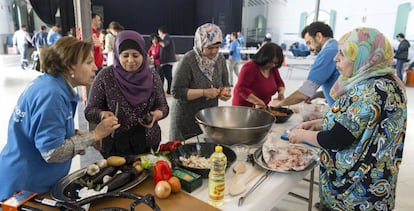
{"points": [[216, 178]]}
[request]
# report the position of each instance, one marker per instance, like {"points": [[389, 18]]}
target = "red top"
{"points": [[154, 51], [97, 54], [252, 81]]}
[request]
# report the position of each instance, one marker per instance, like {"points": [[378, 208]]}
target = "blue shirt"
{"points": [[52, 37], [41, 121], [235, 50], [323, 71], [40, 39]]}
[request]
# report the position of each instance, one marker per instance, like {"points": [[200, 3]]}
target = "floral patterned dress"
{"points": [[363, 176]]}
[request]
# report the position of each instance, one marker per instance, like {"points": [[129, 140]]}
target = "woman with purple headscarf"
{"points": [[130, 90]]}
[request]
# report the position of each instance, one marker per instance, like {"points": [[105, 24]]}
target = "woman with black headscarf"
{"points": [[130, 90]]}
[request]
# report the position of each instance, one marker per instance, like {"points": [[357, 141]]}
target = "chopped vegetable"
{"points": [[102, 163], [92, 169], [162, 171]]}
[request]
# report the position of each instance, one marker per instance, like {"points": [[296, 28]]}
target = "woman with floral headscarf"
{"points": [[199, 81], [131, 91], [362, 136]]}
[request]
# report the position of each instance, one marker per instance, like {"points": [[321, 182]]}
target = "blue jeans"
{"points": [[399, 68], [23, 49]]}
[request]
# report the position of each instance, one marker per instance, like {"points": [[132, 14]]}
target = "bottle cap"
{"points": [[219, 149]]}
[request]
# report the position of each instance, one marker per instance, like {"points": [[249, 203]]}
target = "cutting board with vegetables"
{"points": [[176, 201]]}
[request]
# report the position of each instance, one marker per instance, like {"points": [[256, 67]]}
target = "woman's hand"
{"points": [[260, 104], [106, 127], [280, 96], [211, 93], [314, 125], [298, 136], [225, 93], [156, 115]]}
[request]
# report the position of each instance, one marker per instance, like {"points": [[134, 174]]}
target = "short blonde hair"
{"points": [[65, 53]]}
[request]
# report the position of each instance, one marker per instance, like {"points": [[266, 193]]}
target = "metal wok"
{"points": [[230, 125]]}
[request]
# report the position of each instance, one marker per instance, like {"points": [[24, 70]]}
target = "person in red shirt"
{"points": [[97, 45], [153, 53], [259, 78]]}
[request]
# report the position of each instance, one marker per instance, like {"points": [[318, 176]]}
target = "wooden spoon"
{"points": [[236, 189]]}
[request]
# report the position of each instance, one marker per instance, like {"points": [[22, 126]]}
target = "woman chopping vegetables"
{"points": [[42, 138]]}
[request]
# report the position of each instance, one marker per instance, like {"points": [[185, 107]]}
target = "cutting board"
{"points": [[181, 201]]}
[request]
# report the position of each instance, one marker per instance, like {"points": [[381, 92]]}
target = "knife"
{"points": [[116, 115]]}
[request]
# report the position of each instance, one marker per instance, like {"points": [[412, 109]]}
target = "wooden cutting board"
{"points": [[181, 201]]}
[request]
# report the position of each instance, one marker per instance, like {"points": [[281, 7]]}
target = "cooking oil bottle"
{"points": [[216, 178]]}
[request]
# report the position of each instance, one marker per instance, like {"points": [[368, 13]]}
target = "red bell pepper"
{"points": [[169, 146], [162, 171]]}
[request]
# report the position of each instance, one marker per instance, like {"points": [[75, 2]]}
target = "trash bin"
{"points": [[410, 77]]}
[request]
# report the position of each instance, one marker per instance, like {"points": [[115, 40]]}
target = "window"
{"points": [[323, 16]]}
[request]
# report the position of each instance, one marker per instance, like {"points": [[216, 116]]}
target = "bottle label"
{"points": [[216, 190]]}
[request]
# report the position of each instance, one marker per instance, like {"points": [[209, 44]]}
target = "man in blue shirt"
{"points": [[234, 57], [323, 72], [40, 41]]}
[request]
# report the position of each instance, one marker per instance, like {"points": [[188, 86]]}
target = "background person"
{"points": [[323, 73], [260, 79], [21, 40], [234, 57], [153, 53], [136, 90], [167, 56], [197, 82], [114, 29], [42, 138], [401, 55], [362, 136], [39, 41], [53, 35]]}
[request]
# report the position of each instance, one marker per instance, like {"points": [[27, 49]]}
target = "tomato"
{"points": [[162, 189], [175, 184], [162, 171]]}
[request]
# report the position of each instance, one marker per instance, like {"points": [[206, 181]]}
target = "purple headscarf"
{"points": [[136, 86]]}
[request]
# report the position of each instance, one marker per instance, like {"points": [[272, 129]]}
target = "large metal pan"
{"points": [[230, 125]]}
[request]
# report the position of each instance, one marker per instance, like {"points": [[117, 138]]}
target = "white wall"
{"points": [[283, 17]]}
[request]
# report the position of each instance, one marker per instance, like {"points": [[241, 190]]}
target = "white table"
{"points": [[298, 63], [248, 51], [271, 191]]}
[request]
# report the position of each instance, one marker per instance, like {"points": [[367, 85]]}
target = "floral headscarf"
{"points": [[206, 35], [371, 54]]}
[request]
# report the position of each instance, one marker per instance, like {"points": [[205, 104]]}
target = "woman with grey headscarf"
{"points": [[197, 82]]}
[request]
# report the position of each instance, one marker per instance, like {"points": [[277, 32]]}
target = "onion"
{"points": [[162, 189]]}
